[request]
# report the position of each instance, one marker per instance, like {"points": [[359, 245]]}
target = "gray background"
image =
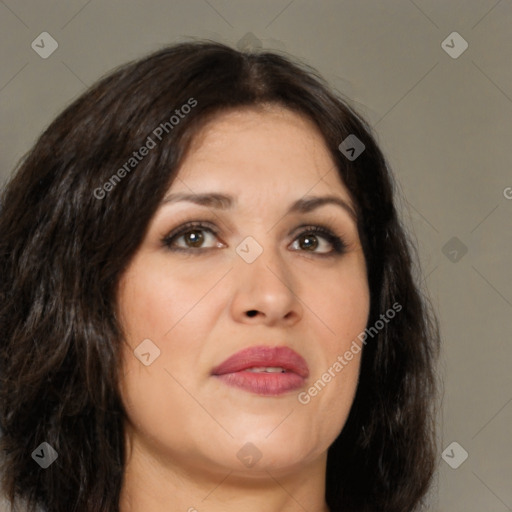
{"points": [[444, 124]]}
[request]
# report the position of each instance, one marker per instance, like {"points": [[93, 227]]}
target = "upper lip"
{"points": [[264, 356]]}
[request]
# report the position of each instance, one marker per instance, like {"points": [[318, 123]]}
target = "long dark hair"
{"points": [[69, 227]]}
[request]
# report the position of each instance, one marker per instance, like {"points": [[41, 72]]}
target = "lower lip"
{"points": [[263, 383]]}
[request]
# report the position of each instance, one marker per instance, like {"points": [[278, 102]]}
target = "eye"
{"points": [[192, 237], [314, 237]]}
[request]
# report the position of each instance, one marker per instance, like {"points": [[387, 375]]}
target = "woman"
{"points": [[207, 301]]}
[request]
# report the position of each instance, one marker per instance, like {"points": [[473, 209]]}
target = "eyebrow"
{"points": [[225, 202]]}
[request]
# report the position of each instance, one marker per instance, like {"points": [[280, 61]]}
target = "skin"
{"points": [[185, 427]]}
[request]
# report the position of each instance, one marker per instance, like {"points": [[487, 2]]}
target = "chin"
{"points": [[277, 452]]}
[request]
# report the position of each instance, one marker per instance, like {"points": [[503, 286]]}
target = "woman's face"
{"points": [[252, 277]]}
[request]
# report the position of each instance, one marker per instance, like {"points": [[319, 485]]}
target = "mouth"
{"points": [[262, 370]]}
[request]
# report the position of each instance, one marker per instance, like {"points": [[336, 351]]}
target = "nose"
{"points": [[265, 291]]}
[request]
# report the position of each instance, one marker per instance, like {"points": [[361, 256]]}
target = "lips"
{"points": [[264, 370]]}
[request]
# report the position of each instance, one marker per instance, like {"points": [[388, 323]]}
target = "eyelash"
{"points": [[338, 244]]}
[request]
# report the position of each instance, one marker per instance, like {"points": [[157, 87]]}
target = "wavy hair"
{"points": [[65, 243]]}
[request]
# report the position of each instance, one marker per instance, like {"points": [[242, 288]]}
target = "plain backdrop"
{"points": [[443, 116]]}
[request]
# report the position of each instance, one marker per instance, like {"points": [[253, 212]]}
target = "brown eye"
{"points": [[308, 242], [320, 241], [197, 237], [191, 238]]}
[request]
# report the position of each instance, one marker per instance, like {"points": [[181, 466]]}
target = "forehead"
{"points": [[268, 145]]}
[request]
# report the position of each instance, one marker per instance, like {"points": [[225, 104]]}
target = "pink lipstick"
{"points": [[264, 370]]}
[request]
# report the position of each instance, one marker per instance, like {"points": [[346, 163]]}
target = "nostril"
{"points": [[252, 313]]}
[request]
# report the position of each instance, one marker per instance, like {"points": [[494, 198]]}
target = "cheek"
{"points": [[162, 306], [343, 304], [151, 398], [343, 307], [153, 305], [326, 403], [344, 386], [153, 301]]}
